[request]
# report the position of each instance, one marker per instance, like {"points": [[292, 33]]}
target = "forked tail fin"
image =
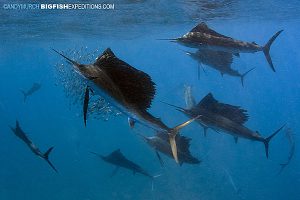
{"points": [[268, 139], [46, 157], [244, 74], [172, 136], [266, 49]]}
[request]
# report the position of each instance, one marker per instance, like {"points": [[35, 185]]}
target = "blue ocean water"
{"points": [[51, 118]]}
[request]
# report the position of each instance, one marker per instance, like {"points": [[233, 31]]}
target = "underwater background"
{"points": [[53, 115]]}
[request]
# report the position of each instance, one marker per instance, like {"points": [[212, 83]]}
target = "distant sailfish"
{"points": [[291, 140], [160, 143], [218, 60], [34, 88], [227, 118], [22, 135], [119, 160], [202, 37], [128, 89]]}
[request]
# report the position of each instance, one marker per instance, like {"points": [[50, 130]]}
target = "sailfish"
{"points": [[22, 135], [128, 89], [226, 118], [218, 60], [160, 143], [203, 37]]}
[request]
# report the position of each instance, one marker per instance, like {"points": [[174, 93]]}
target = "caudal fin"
{"points": [[268, 139], [172, 136], [244, 74], [46, 157], [266, 49]]}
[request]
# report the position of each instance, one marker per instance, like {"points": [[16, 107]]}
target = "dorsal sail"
{"points": [[234, 113], [136, 87]]}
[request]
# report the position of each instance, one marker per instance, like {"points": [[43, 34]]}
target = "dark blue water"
{"points": [[51, 118]]}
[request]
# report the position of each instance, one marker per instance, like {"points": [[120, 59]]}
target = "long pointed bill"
{"points": [[172, 136], [68, 59], [177, 107], [168, 39]]}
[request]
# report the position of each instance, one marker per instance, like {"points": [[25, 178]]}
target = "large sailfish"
{"points": [[225, 118], [202, 37], [130, 90]]}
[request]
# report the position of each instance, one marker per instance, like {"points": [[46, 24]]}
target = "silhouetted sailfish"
{"points": [[160, 142], [291, 140], [119, 160], [22, 135], [130, 90], [202, 36], [34, 88], [218, 60], [227, 118]]}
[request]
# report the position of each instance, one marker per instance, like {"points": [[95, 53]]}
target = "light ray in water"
{"points": [[236, 189]]}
